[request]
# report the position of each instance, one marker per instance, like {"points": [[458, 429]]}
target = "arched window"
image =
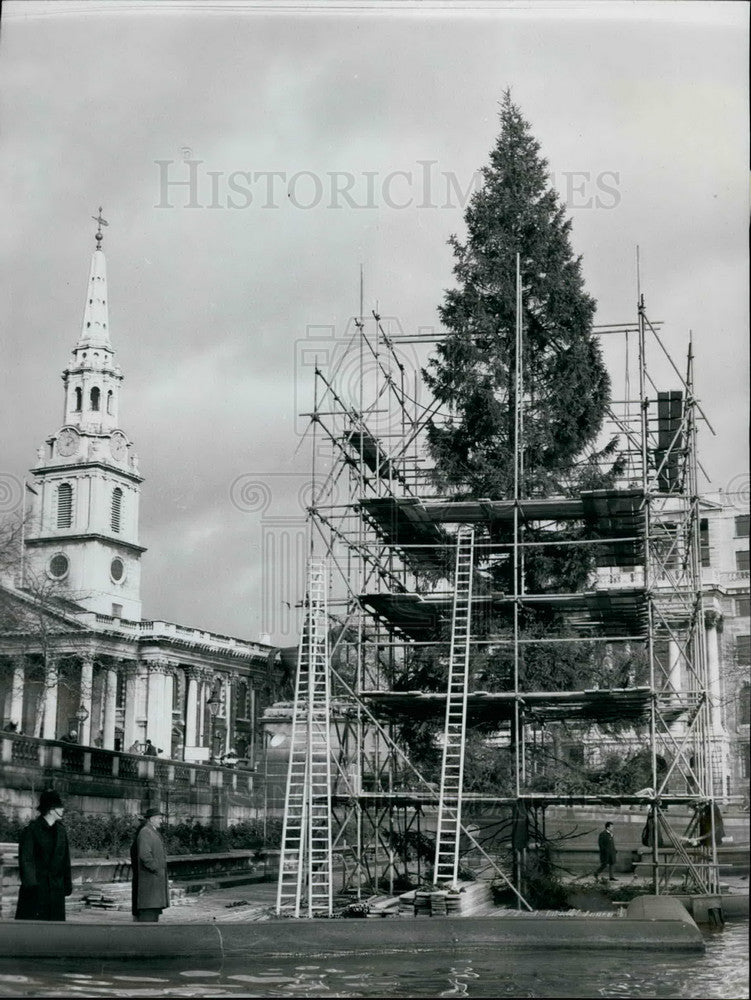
{"points": [[117, 506], [94, 398], [744, 705], [64, 505], [109, 401], [79, 400]]}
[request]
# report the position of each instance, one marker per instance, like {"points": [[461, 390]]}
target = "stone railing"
{"points": [[28, 752], [170, 630]]}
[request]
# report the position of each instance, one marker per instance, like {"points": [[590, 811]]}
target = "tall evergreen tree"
{"points": [[566, 386], [565, 396]]}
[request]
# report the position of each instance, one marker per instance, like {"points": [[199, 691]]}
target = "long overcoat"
{"points": [[44, 867], [149, 871], [607, 848]]}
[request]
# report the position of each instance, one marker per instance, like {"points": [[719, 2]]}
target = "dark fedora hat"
{"points": [[48, 800], [154, 811]]}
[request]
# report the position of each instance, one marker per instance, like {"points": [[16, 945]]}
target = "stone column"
{"points": [[191, 707], [16, 692], [155, 702], [159, 703], [169, 689], [228, 727], [109, 714], [712, 625], [252, 712], [87, 686], [130, 725], [49, 697]]}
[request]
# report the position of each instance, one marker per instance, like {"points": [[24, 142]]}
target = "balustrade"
{"points": [[72, 758], [24, 750], [102, 761], [128, 766], [29, 752]]}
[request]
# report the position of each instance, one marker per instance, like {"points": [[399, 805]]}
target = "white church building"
{"points": [[77, 657]]}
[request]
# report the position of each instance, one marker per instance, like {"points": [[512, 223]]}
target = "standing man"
{"points": [[606, 844], [44, 863], [150, 892]]}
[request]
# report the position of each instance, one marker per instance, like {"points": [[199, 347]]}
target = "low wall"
{"points": [[654, 931], [95, 781]]}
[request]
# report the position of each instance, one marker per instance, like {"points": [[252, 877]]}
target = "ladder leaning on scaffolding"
{"points": [[449, 825], [304, 887]]}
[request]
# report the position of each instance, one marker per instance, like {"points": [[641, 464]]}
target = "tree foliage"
{"points": [[563, 402], [566, 386]]}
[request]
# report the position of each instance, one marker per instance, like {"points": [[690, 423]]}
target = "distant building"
{"points": [[75, 650], [725, 581], [724, 548]]}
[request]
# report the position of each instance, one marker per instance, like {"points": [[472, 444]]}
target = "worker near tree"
{"points": [[606, 845], [149, 888], [44, 863]]}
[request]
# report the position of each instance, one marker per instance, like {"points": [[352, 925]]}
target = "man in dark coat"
{"points": [[44, 863], [606, 844], [149, 889]]}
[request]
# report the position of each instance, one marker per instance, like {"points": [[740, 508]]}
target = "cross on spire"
{"points": [[100, 222]]}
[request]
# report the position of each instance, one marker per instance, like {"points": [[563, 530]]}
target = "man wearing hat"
{"points": [[44, 863], [150, 893]]}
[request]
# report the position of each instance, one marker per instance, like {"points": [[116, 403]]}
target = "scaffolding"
{"points": [[393, 544]]}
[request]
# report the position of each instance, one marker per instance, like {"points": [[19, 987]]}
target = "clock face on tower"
{"points": [[118, 446], [67, 442]]}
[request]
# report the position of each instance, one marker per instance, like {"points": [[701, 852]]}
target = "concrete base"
{"points": [[650, 924]]}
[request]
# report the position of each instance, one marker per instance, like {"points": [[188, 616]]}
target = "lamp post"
{"points": [[81, 716], [214, 703]]}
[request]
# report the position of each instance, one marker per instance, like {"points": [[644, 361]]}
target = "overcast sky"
{"points": [[376, 121]]}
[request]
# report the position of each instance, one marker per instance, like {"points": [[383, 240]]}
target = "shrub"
{"points": [[111, 834]]}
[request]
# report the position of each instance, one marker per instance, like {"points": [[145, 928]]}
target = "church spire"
{"points": [[83, 519], [95, 328]]}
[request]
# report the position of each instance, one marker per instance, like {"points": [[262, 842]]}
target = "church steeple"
{"points": [[83, 531], [92, 380], [95, 329]]}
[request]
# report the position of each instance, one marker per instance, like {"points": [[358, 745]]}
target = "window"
{"points": [[741, 561], [743, 650], [743, 607], [704, 541], [59, 566], [109, 401], [117, 570], [94, 398], [79, 396], [741, 526], [744, 705], [117, 610], [64, 505], [117, 505]]}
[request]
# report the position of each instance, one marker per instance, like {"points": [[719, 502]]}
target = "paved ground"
{"points": [[230, 905]]}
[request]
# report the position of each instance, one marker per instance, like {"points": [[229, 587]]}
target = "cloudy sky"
{"points": [[250, 158]]}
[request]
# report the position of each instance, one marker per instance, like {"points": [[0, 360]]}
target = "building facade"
{"points": [[725, 579]]}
